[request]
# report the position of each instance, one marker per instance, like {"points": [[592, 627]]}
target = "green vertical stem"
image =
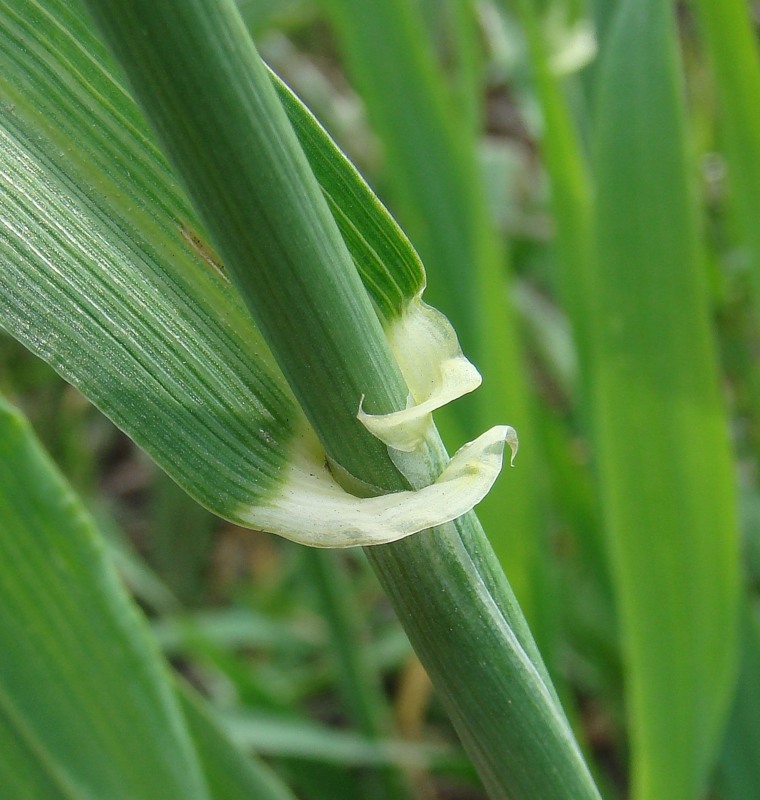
{"points": [[729, 34], [359, 681], [737, 774], [469, 62], [436, 185], [569, 178], [180, 540], [572, 206], [202, 85]]}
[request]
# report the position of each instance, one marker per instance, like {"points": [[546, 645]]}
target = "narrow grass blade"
{"points": [[86, 707], [389, 267], [737, 774], [729, 34], [663, 454], [304, 739], [568, 174], [462, 28], [232, 628], [229, 773]]}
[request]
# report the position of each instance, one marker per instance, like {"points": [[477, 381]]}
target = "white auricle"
{"points": [[436, 371]]}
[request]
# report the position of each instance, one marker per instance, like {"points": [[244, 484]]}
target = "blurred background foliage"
{"points": [[475, 123]]}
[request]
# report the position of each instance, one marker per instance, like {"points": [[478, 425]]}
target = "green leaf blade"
{"points": [[102, 246], [141, 323], [729, 34], [111, 318], [83, 696], [230, 775], [661, 431]]}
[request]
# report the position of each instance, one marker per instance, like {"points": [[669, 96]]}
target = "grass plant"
{"points": [[183, 242]]}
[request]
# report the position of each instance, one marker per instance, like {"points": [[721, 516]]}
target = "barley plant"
{"points": [[270, 242]]}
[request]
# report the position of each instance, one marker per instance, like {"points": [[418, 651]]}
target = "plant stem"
{"points": [[359, 681], [435, 181], [203, 87]]}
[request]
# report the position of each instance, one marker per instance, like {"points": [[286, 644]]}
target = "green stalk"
{"points": [[180, 540], [469, 62], [737, 773], [729, 35], [572, 206], [568, 173], [202, 85], [358, 681], [436, 184], [731, 42]]}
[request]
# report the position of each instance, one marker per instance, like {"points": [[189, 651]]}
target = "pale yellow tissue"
{"points": [[311, 507], [431, 361]]}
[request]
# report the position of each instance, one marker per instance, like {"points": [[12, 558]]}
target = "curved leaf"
{"points": [[86, 708]]}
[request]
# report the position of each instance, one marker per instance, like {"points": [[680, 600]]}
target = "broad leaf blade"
{"points": [[86, 708], [99, 277], [108, 277], [661, 431]]}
